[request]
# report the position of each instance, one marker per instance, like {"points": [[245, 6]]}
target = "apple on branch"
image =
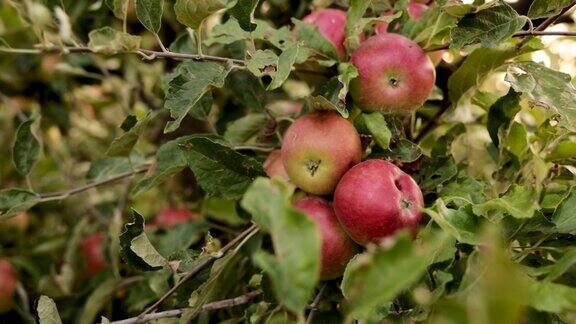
{"points": [[394, 74], [337, 248], [318, 149], [375, 199]]}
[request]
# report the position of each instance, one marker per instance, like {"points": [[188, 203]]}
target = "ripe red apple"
{"points": [[330, 23], [171, 217], [337, 248], [94, 260], [8, 284], [274, 166], [394, 74], [375, 199], [415, 11], [318, 149]]}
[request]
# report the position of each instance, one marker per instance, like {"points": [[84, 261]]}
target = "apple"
{"points": [[94, 259], [8, 284], [415, 11], [331, 24], [337, 248], [394, 74], [274, 166], [171, 217], [317, 150], [375, 199]]}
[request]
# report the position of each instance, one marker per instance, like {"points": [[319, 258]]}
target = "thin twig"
{"points": [[315, 303], [59, 195], [548, 22], [524, 33], [204, 263], [221, 304]]}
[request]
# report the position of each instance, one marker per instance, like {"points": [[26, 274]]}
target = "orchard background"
{"points": [[133, 136]]}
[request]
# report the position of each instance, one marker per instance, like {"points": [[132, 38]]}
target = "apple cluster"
{"points": [[353, 202]]}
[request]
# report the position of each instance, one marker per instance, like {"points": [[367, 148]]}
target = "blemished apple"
{"points": [[394, 74], [274, 167], [415, 11], [337, 248], [8, 284], [171, 217], [318, 149], [94, 259], [375, 199], [331, 24]]}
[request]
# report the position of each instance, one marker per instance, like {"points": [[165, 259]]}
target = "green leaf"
{"points": [[109, 41], [242, 129], [26, 149], [135, 248], [354, 26], [123, 145], [546, 88], [295, 268], [346, 73], [149, 12], [546, 8], [551, 297], [16, 200], [220, 170], [119, 8], [244, 12], [112, 166], [566, 149], [326, 97], [192, 81], [501, 113], [375, 124], [98, 299], [375, 278], [170, 159], [562, 265], [518, 202], [192, 13], [459, 223], [404, 151], [262, 62], [247, 89], [432, 29], [181, 236], [311, 37], [482, 62], [490, 26], [463, 191], [47, 311], [564, 217], [285, 62]]}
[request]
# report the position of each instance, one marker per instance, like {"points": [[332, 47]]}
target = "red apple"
{"points": [[394, 74], [13, 228], [375, 199], [415, 11], [337, 248], [171, 217], [8, 284], [330, 23], [94, 259], [318, 149], [274, 166]]}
